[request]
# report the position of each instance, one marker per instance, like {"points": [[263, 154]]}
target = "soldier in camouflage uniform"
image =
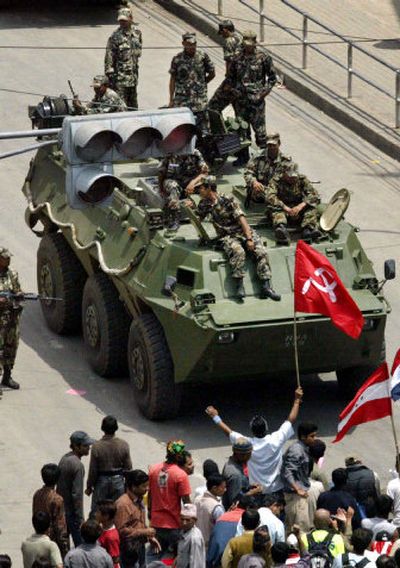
{"points": [[121, 64], [178, 176], [232, 46], [105, 99], [235, 235], [252, 77], [191, 70], [292, 198], [9, 319], [261, 168]]}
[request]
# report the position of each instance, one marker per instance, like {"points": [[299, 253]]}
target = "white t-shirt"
{"points": [[266, 459], [393, 490], [275, 526], [353, 560], [40, 546]]}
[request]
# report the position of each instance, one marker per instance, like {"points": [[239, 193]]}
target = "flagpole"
{"points": [[296, 351], [396, 443]]}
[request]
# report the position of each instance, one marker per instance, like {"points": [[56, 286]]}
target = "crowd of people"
{"points": [[271, 505]]}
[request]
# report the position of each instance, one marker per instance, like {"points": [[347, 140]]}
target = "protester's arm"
{"points": [[290, 466], [92, 475], [214, 414], [127, 462], [77, 494], [55, 556], [298, 397]]}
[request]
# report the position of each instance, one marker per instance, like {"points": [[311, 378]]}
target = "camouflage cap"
{"points": [[227, 24], [290, 169], [190, 37], [207, 181], [124, 14], [5, 253], [249, 37], [99, 80], [273, 138]]}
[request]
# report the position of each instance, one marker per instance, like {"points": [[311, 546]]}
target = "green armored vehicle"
{"points": [[163, 305]]}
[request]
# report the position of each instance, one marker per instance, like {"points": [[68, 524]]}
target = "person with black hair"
{"points": [[188, 463], [130, 520], [361, 540], [209, 506], [384, 506], [272, 507], [385, 561], [280, 552], [243, 544], [266, 458], [338, 498], [5, 561], [39, 544], [210, 467], [109, 539], [109, 459], [261, 555], [296, 468], [89, 554], [48, 500]]}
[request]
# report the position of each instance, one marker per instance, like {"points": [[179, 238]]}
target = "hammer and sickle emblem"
{"points": [[328, 287]]}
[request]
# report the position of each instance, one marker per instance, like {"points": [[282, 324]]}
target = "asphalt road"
{"points": [[35, 422]]}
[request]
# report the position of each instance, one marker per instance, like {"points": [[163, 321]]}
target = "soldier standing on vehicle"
{"points": [[121, 64], [261, 169], [10, 311], [109, 459], [235, 236], [191, 70], [291, 197], [252, 76], [105, 99], [177, 177], [232, 46]]}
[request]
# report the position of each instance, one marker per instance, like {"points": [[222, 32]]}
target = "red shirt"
{"points": [[168, 484], [110, 541]]}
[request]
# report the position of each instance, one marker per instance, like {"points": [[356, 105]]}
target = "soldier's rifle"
{"points": [[24, 296]]}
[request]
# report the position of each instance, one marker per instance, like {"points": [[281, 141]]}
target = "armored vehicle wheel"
{"points": [[105, 325], [61, 275], [151, 369]]}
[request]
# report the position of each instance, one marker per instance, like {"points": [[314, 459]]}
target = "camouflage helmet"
{"points": [[100, 80], [189, 37], [273, 138], [289, 168], [226, 24], [249, 37], [124, 14], [5, 253], [207, 181]]}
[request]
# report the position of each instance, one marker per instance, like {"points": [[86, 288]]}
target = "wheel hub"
{"points": [[92, 326], [46, 286], [138, 367]]}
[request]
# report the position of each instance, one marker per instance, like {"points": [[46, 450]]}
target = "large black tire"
{"points": [[61, 275], [151, 369], [105, 325]]}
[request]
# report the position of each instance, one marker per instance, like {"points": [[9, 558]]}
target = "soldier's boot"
{"points": [[311, 233], [243, 156], [282, 234], [173, 220], [240, 291], [7, 380], [268, 292]]}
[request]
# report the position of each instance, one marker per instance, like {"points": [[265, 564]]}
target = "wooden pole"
{"points": [[396, 443], [296, 350]]}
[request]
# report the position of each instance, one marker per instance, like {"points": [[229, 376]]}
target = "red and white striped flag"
{"points": [[371, 402]]}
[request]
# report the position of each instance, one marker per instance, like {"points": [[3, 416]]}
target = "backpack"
{"points": [[346, 563], [319, 554]]}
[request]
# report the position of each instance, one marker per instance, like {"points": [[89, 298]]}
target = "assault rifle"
{"points": [[23, 296]]}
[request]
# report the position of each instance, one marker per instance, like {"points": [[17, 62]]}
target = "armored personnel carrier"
{"points": [[162, 305]]}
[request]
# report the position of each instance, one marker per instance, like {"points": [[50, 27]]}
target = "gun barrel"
{"points": [[29, 133], [25, 149]]}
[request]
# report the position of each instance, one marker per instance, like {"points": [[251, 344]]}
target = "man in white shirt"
{"points": [[361, 540], [39, 544], [266, 458], [393, 490], [269, 516]]}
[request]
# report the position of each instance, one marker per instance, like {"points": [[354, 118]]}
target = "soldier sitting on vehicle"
{"points": [[105, 99], [235, 235], [292, 198], [261, 169], [177, 178]]}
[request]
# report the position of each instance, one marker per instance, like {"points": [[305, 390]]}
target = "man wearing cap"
{"points": [[291, 198], [191, 70], [232, 44], [191, 549], [252, 76], [261, 168], [177, 176], [109, 459], [235, 235], [70, 482], [105, 99], [121, 64], [10, 310]]}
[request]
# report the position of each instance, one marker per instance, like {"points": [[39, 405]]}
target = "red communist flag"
{"points": [[319, 290]]}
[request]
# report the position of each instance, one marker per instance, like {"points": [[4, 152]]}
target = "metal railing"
{"points": [[306, 45]]}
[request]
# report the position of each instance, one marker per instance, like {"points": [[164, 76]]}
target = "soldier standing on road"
{"points": [[177, 177], [10, 311], [105, 99], [70, 482], [235, 236], [252, 76], [261, 169], [109, 459], [121, 64], [191, 70], [291, 197]]}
